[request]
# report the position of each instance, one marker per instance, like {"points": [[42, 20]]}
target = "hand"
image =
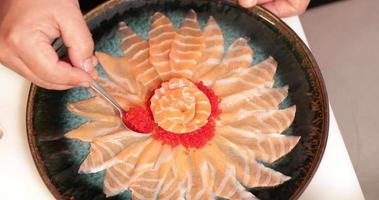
{"points": [[281, 8], [27, 29]]}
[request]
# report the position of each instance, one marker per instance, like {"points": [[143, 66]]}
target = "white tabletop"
{"points": [[335, 178]]}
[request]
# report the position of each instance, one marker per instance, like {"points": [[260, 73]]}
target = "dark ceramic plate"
{"points": [[58, 158]]}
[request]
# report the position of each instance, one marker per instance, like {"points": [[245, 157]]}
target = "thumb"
{"points": [[77, 38], [247, 3]]}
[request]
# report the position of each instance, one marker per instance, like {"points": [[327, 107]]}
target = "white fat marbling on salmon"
{"points": [[264, 147], [116, 69], [213, 51], [136, 53], [187, 47], [161, 36], [261, 75], [104, 150], [269, 121], [239, 55], [254, 99]]}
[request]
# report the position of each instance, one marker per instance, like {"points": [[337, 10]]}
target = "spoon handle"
{"points": [[103, 93]]}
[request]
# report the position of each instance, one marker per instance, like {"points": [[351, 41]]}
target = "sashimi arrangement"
{"points": [[200, 122]]}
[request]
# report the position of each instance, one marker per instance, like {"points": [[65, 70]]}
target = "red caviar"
{"points": [[213, 99], [141, 120]]}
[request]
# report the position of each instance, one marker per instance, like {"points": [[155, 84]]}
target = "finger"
{"points": [[77, 38], [43, 61], [287, 8], [23, 71], [20, 68], [247, 3], [90, 71]]}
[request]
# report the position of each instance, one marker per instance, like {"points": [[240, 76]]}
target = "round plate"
{"points": [[58, 158]]}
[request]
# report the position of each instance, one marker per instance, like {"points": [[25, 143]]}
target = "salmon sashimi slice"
{"points": [[148, 183], [248, 171], [179, 106], [94, 108], [264, 177], [136, 54], [90, 130], [224, 174], [270, 121], [125, 99], [159, 179], [161, 36], [173, 187], [260, 75], [118, 71], [254, 99], [117, 177], [239, 55], [158, 184], [187, 47], [263, 147], [146, 186], [200, 182], [105, 148], [214, 49], [147, 158], [183, 168]]}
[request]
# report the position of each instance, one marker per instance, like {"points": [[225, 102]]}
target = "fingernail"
{"points": [[88, 65]]}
